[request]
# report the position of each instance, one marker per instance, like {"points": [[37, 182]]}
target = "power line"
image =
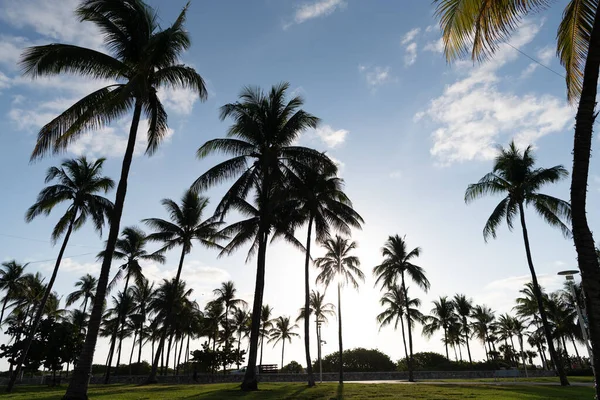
{"points": [[53, 259], [536, 61], [44, 241]]}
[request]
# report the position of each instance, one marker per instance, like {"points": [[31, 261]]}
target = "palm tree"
{"points": [[142, 59], [478, 28], [11, 282], [185, 227], [338, 264], [123, 304], [226, 295], [86, 288], [241, 318], [505, 327], [142, 294], [463, 307], [396, 309], [261, 143], [282, 330], [324, 205], [441, 317], [78, 182], [266, 323], [514, 175], [397, 262]]}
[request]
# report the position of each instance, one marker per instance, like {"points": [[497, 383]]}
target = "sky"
{"points": [[409, 132]]}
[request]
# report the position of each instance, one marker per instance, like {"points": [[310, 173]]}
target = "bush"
{"points": [[430, 361], [293, 368], [358, 360]]}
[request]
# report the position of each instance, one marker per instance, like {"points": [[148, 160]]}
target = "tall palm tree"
{"points": [[321, 310], [477, 27], [78, 182], [142, 294], [123, 305], [226, 295], [185, 227], [261, 142], [398, 262], [397, 308], [515, 177], [241, 318], [338, 264], [11, 282], [142, 58], [441, 317], [282, 330], [324, 205], [266, 323], [463, 307], [86, 288]]}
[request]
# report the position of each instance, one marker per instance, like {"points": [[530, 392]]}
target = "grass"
{"points": [[549, 379], [326, 391]]}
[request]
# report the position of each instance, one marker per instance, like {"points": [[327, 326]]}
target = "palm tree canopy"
{"points": [[441, 316], [396, 305], [86, 289], [338, 262], [165, 296], [226, 295], [141, 60], [186, 224], [317, 307], [282, 330], [515, 177], [12, 278], [397, 260], [483, 319], [77, 181], [479, 27]]}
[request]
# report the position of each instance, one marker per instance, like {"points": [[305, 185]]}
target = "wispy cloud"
{"points": [[436, 47], [410, 46], [410, 35], [397, 174], [376, 76], [316, 9], [544, 56], [331, 137]]}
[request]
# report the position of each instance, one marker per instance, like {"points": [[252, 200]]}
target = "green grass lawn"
{"points": [[552, 379], [326, 391]]}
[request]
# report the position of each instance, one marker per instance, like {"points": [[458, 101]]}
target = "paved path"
{"points": [[498, 383]]}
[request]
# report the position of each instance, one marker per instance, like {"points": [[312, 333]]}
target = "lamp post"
{"points": [[319, 350], [582, 321]]}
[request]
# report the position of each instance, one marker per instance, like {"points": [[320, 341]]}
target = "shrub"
{"points": [[358, 360], [293, 368]]}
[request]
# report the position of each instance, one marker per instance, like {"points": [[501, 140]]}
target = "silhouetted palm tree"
{"points": [[515, 177], [226, 295], [441, 317], [338, 264], [11, 282], [185, 227], [123, 304], [142, 59], [398, 262], [483, 319], [282, 330], [77, 182], [142, 294], [477, 28], [262, 144], [86, 289], [241, 320], [266, 323], [463, 308]]}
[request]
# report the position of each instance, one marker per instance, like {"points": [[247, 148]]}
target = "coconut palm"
{"points": [[515, 177], [478, 27], [282, 330], [185, 227], [397, 308], [241, 319], [463, 307], [142, 59], [339, 265], [482, 325], [441, 317], [325, 206], [261, 142], [142, 294], [266, 324], [226, 295], [123, 304], [398, 261], [86, 289], [11, 282], [78, 182]]}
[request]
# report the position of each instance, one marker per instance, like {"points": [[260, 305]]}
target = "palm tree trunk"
{"points": [[122, 320], [250, 382], [132, 350], [455, 355], [163, 336], [262, 339], [141, 339], [179, 358], [467, 339], [40, 311], [111, 352], [79, 382], [3, 308], [309, 371], [168, 350], [446, 342], [459, 352], [538, 296], [85, 301], [339, 290], [411, 378], [576, 351], [565, 348], [404, 341], [582, 236]]}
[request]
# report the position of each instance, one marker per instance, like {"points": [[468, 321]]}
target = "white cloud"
{"points": [[5, 81], [180, 101], [316, 9], [436, 47], [473, 114], [53, 19], [397, 174], [73, 266], [410, 57], [331, 137], [544, 56], [430, 28], [410, 36], [340, 164], [11, 48], [376, 76]]}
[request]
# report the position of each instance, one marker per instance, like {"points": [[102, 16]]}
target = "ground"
{"points": [[327, 391]]}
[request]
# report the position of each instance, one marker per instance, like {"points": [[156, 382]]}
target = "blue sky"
{"points": [[410, 133]]}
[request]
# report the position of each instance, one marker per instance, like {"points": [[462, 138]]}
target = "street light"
{"points": [[319, 352], [582, 321]]}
